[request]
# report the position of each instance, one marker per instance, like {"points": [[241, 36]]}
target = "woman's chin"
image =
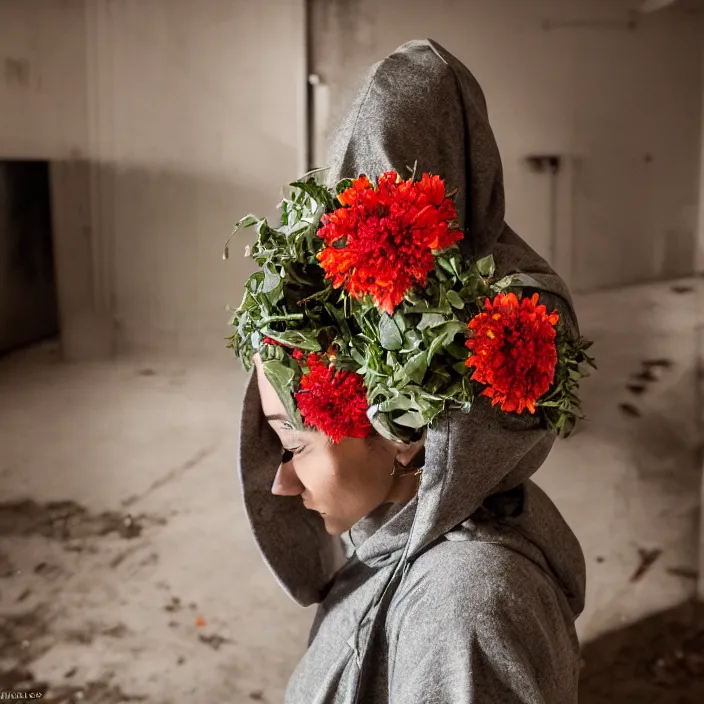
{"points": [[332, 527]]}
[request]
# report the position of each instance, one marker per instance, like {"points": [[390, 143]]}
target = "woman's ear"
{"points": [[408, 451]]}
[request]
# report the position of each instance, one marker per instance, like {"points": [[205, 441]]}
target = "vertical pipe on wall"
{"points": [[699, 251], [699, 337], [99, 84], [553, 216], [309, 103]]}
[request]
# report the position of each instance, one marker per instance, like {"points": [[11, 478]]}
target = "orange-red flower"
{"points": [[333, 401], [513, 351], [381, 242]]}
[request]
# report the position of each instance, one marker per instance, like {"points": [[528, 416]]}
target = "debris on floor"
{"points": [[7, 569], [661, 363], [214, 641], [659, 660], [647, 560], [684, 572], [173, 605], [66, 520], [651, 371], [629, 409]]}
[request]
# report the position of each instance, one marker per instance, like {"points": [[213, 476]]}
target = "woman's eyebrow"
{"points": [[278, 416]]}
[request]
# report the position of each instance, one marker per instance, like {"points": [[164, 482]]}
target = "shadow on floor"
{"points": [[659, 660]]}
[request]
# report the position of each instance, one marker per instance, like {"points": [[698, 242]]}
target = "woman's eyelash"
{"points": [[288, 454]]}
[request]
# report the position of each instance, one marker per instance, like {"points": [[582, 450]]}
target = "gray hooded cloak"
{"points": [[468, 594]]}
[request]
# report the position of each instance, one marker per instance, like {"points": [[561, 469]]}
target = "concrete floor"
{"points": [[126, 569]]}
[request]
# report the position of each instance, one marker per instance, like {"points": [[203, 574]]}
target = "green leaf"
{"points": [[357, 356], [455, 300], [295, 338], [389, 334], [457, 350], [271, 280], [461, 368], [435, 345], [400, 321], [281, 377], [411, 419], [445, 264], [263, 228], [486, 266], [398, 403], [430, 320], [416, 367], [525, 281], [503, 283], [445, 336], [343, 185], [383, 425], [247, 221], [319, 193]]}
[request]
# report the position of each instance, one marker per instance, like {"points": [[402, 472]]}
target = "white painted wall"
{"points": [[43, 100], [700, 229], [186, 115], [603, 96], [206, 117]]}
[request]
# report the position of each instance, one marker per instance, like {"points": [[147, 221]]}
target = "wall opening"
{"points": [[28, 296]]}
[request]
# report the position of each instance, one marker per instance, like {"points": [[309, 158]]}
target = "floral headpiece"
{"points": [[366, 316]]}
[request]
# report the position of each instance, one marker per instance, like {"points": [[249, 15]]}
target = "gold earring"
{"points": [[402, 470]]}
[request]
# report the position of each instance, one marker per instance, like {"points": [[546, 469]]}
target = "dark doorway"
{"points": [[28, 301]]}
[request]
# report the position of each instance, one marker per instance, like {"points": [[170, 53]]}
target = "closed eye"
{"points": [[288, 454]]}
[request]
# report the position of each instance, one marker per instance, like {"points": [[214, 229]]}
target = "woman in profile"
{"points": [[458, 581]]}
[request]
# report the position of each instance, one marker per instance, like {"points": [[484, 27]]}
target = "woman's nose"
{"points": [[286, 483]]}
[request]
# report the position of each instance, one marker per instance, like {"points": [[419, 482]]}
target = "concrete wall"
{"points": [[700, 238], [569, 77], [168, 120], [43, 97]]}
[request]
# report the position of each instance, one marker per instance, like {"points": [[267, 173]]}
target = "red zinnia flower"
{"points": [[389, 234], [334, 402], [514, 351]]}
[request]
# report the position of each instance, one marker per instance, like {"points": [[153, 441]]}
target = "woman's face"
{"points": [[343, 482]]}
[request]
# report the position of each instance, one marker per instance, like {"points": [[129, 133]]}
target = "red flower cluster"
{"points": [[334, 402], [514, 351], [269, 341], [389, 234]]}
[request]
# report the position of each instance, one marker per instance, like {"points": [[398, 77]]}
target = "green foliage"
{"points": [[413, 362], [561, 405]]}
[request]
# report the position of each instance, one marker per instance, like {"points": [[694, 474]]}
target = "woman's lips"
{"points": [[310, 508]]}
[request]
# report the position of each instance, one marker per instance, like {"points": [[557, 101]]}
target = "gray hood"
{"points": [[422, 104]]}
